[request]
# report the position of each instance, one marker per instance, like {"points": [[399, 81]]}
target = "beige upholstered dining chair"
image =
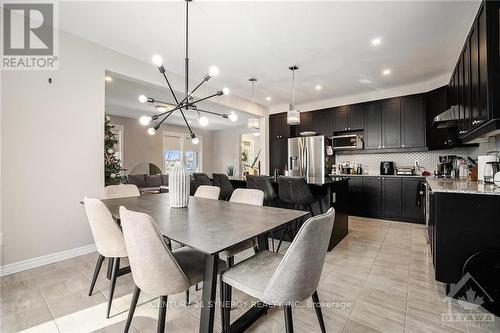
{"points": [[121, 191], [283, 280], [156, 269], [248, 196], [108, 240], [207, 192]]}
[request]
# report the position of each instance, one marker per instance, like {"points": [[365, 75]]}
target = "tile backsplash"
{"points": [[426, 159]]}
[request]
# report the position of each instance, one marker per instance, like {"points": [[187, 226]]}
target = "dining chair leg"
{"points": [[133, 305], [272, 240], [230, 261], [196, 287], [281, 238], [288, 319], [187, 297], [162, 315], [317, 307], [311, 210], [97, 269], [320, 207], [112, 283]]}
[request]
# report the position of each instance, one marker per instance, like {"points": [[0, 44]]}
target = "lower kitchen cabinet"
{"points": [[410, 210], [371, 204], [392, 198]]}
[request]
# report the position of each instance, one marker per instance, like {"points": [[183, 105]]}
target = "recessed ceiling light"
{"points": [[108, 78], [318, 87], [386, 71], [268, 98], [365, 81], [376, 41]]}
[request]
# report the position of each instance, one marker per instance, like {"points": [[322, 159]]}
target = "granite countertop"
{"points": [[462, 186], [377, 175], [310, 180]]}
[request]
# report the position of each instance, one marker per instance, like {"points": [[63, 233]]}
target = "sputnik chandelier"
{"points": [[188, 102]]}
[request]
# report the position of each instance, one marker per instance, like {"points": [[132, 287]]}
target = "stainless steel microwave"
{"points": [[347, 141]]}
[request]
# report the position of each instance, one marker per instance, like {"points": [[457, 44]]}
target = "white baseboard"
{"points": [[47, 259]]}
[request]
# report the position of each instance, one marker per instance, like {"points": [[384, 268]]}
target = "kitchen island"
{"points": [[334, 192]]}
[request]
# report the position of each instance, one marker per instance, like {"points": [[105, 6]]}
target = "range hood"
{"points": [[447, 119]]}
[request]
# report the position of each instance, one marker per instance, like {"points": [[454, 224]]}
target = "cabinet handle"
{"points": [[383, 146], [402, 146], [348, 128], [345, 129], [379, 147]]}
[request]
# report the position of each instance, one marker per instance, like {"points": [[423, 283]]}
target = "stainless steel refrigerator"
{"points": [[310, 156]]}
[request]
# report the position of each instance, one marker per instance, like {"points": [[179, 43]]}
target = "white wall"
{"points": [[52, 146]]}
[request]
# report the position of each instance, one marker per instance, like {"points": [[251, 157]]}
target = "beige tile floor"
{"points": [[378, 279]]}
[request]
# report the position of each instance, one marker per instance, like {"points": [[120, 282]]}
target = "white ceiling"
{"points": [[329, 41], [122, 100]]}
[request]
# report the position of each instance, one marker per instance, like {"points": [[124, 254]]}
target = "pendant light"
{"points": [[253, 122], [293, 115]]}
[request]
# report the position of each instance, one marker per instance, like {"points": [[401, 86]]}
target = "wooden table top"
{"points": [[210, 226]]}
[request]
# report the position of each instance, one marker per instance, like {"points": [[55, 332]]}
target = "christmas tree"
{"points": [[113, 171]]}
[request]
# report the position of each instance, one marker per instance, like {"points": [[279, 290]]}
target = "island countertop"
{"points": [[448, 185], [310, 180]]}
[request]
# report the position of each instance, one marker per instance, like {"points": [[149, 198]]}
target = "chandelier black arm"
{"points": [[219, 93], [187, 124], [156, 116], [170, 87], [223, 115], [192, 91], [157, 126]]}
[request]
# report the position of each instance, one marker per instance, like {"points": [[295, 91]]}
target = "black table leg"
{"points": [[263, 242], [208, 294]]}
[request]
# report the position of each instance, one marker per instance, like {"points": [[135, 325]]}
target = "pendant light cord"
{"points": [[293, 89], [253, 98]]}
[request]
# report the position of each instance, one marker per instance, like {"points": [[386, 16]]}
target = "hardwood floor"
{"points": [[378, 279]]}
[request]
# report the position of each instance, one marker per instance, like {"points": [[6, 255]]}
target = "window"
{"points": [[178, 147]]}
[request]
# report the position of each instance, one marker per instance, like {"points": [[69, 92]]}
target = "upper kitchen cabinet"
{"points": [[278, 128], [348, 118], [476, 77], [391, 123], [412, 121], [322, 122], [306, 122], [373, 127]]}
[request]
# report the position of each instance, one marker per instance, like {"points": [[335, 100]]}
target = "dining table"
{"points": [[212, 226]]}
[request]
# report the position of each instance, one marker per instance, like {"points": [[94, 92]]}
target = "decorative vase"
{"points": [[179, 179]]}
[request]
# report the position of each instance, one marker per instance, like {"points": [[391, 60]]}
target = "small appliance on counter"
{"points": [[386, 168], [405, 171], [482, 160], [448, 167], [490, 170]]}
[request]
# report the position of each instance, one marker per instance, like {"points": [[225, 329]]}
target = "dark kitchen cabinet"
{"points": [[410, 209], [348, 118], [306, 122], [373, 126], [391, 197], [437, 101], [340, 120], [355, 115], [278, 128], [278, 154], [391, 123], [477, 76], [322, 122], [356, 199], [412, 121], [372, 195]]}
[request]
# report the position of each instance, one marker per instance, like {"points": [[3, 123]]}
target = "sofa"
{"points": [[149, 184]]}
